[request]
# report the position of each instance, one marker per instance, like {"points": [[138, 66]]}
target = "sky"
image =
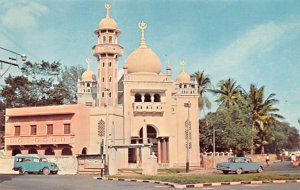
{"points": [[251, 41]]}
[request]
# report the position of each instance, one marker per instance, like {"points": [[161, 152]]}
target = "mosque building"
{"points": [[125, 110]]}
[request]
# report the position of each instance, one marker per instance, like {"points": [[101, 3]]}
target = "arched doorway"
{"points": [[49, 151], [66, 151], [160, 144], [16, 151], [32, 151], [84, 150]]}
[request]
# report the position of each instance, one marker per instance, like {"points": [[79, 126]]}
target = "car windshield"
{"points": [[43, 160]]}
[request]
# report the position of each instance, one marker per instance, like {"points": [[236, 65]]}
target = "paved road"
{"points": [[69, 182], [287, 186], [73, 182], [283, 167]]}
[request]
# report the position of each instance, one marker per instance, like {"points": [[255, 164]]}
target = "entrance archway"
{"points": [[160, 144], [66, 151], [49, 151], [84, 150], [16, 151], [32, 151]]}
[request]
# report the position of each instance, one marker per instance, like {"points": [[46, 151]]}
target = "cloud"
{"points": [[22, 14], [258, 40]]}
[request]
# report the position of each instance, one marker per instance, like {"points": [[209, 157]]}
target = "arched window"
{"points": [[16, 151], [104, 39], [88, 85], [109, 79], [137, 98], [66, 151], [103, 79], [103, 64], [84, 150], [110, 39], [109, 64], [32, 151], [147, 98], [156, 98], [49, 151]]}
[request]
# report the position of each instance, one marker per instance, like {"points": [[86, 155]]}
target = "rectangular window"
{"points": [[33, 129], [49, 129], [67, 128], [17, 130]]}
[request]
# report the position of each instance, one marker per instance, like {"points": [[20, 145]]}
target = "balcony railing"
{"points": [[38, 140], [154, 107]]}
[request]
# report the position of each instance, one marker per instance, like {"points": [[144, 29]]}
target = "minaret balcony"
{"points": [[108, 48], [154, 107]]}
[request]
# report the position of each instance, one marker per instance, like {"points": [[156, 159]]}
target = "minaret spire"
{"points": [[142, 25], [88, 61], [182, 62], [107, 7]]}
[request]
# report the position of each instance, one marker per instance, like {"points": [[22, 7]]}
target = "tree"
{"points": [[38, 86], [263, 114], [203, 84], [232, 129], [228, 93], [69, 77]]}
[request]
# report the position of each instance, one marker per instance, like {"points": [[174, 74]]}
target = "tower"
{"points": [[87, 87], [107, 51]]}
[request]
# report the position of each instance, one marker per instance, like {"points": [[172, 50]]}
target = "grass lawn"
{"points": [[208, 178]]}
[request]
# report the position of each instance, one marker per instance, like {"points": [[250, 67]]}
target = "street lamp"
{"points": [[214, 146], [23, 57], [187, 136]]}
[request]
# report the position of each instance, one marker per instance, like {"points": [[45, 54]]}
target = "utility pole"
{"points": [[187, 136]]}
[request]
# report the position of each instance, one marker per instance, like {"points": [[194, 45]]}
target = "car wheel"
{"points": [[225, 171], [46, 171], [239, 171], [55, 172], [259, 170], [21, 171]]}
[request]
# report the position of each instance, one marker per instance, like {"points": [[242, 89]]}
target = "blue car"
{"points": [[33, 163], [240, 165]]}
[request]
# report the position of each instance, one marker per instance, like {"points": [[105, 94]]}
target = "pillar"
{"points": [[159, 151], [137, 153], [164, 150], [145, 140]]}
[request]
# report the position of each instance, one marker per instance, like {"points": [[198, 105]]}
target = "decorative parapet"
{"points": [[39, 140], [154, 107]]}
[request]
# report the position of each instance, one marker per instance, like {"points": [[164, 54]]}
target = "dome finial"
{"points": [[107, 7], [88, 61], [182, 62], [143, 26]]}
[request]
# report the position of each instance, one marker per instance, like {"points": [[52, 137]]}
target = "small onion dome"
{"points": [[143, 60], [88, 75], [183, 77], [108, 23]]}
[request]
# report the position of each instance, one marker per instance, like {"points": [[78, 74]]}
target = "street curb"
{"points": [[180, 186]]}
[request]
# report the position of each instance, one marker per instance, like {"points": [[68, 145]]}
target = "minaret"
{"points": [[107, 52], [87, 87]]}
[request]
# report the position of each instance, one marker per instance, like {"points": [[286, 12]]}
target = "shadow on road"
{"points": [[6, 177]]}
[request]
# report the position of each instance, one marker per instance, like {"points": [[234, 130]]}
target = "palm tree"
{"points": [[203, 84], [263, 113], [228, 93]]}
